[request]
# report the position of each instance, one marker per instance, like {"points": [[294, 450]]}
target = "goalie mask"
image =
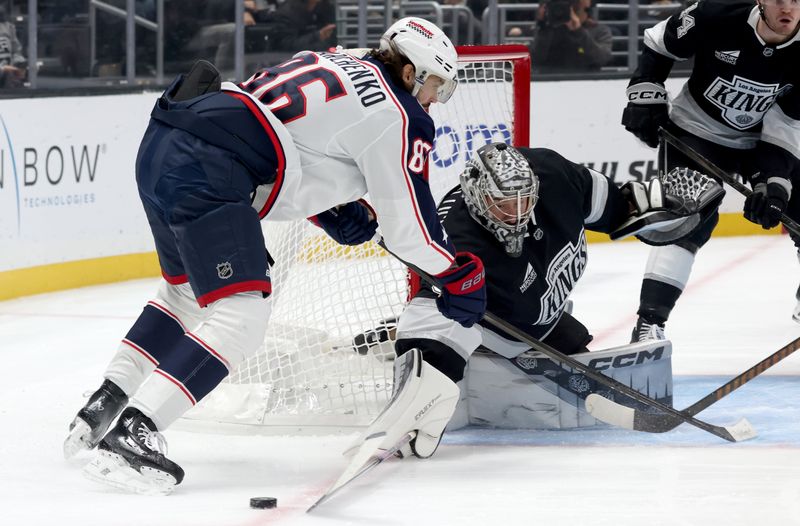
{"points": [[500, 190]]}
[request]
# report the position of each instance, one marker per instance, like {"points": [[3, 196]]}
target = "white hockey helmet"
{"points": [[500, 190], [428, 49]]}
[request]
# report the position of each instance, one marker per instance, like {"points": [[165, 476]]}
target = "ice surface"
{"points": [[736, 311]]}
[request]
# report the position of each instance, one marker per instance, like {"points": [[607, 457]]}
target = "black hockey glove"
{"points": [[463, 290], [646, 111], [349, 224], [767, 202]]}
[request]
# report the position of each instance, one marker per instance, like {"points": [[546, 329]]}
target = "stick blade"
{"points": [[742, 430], [609, 411], [365, 459]]}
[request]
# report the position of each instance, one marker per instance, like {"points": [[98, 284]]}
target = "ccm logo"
{"points": [[647, 96], [474, 282], [626, 360]]}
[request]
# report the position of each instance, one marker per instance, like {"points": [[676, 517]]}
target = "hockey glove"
{"points": [[767, 202], [349, 224], [646, 111], [463, 290]]}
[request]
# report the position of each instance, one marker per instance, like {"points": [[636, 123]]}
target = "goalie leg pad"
{"points": [[423, 402]]}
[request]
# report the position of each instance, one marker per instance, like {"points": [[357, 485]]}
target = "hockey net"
{"points": [[310, 374]]}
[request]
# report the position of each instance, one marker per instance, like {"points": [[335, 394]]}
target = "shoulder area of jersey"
{"points": [[719, 10]]}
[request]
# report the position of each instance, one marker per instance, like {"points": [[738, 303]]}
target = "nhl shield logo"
{"points": [[224, 270]]}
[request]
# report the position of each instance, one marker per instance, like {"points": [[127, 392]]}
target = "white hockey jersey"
{"points": [[354, 132]]}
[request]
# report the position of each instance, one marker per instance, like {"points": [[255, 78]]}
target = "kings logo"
{"points": [[563, 272], [743, 102]]}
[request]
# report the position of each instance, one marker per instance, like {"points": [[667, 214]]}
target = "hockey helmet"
{"points": [[500, 190], [428, 49]]}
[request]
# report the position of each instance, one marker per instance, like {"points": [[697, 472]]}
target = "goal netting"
{"points": [[317, 369]]}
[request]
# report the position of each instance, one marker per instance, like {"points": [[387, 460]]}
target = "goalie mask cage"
{"points": [[309, 374]]}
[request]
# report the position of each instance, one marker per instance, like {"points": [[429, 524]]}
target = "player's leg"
{"points": [[432, 353], [161, 323], [206, 201], [669, 267]]}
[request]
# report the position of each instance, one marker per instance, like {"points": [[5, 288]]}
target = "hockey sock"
{"points": [[191, 371], [148, 342], [666, 274]]}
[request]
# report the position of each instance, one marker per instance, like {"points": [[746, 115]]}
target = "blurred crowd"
{"points": [[85, 39]]}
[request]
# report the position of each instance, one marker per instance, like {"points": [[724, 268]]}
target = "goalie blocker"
{"points": [[670, 207]]}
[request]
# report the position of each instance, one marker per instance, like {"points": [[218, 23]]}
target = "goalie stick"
{"points": [[715, 171], [638, 420], [742, 430], [360, 464]]}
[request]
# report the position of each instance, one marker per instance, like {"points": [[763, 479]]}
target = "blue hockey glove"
{"points": [[349, 224], [463, 289], [767, 202]]}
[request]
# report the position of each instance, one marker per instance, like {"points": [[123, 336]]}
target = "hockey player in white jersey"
{"points": [[305, 139], [740, 108]]}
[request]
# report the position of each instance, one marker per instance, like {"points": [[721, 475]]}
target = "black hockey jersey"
{"points": [[741, 89], [530, 291]]}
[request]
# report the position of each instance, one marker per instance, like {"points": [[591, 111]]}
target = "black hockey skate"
{"points": [[94, 419], [132, 457], [646, 330]]}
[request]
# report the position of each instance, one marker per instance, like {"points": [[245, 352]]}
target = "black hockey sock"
{"points": [[656, 301], [437, 354]]}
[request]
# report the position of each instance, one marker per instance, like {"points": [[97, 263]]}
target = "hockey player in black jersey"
{"points": [[524, 213], [740, 109]]}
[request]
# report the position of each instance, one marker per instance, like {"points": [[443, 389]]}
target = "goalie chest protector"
{"points": [[530, 291]]}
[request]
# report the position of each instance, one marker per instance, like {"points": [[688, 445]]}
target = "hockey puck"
{"points": [[263, 502]]}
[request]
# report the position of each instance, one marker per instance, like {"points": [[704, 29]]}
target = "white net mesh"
{"points": [[308, 373]]}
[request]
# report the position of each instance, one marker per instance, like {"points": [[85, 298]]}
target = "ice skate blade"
{"points": [[112, 470], [77, 439]]}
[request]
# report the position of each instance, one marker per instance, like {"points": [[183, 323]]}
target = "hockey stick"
{"points": [[742, 430], [358, 466], [715, 171], [639, 420]]}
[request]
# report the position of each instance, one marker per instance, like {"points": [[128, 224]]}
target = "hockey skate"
{"points": [[646, 330], [94, 419], [132, 457]]}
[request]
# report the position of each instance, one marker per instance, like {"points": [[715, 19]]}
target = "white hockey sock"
{"points": [[669, 264]]}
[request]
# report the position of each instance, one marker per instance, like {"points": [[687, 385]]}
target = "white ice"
{"points": [[736, 311]]}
